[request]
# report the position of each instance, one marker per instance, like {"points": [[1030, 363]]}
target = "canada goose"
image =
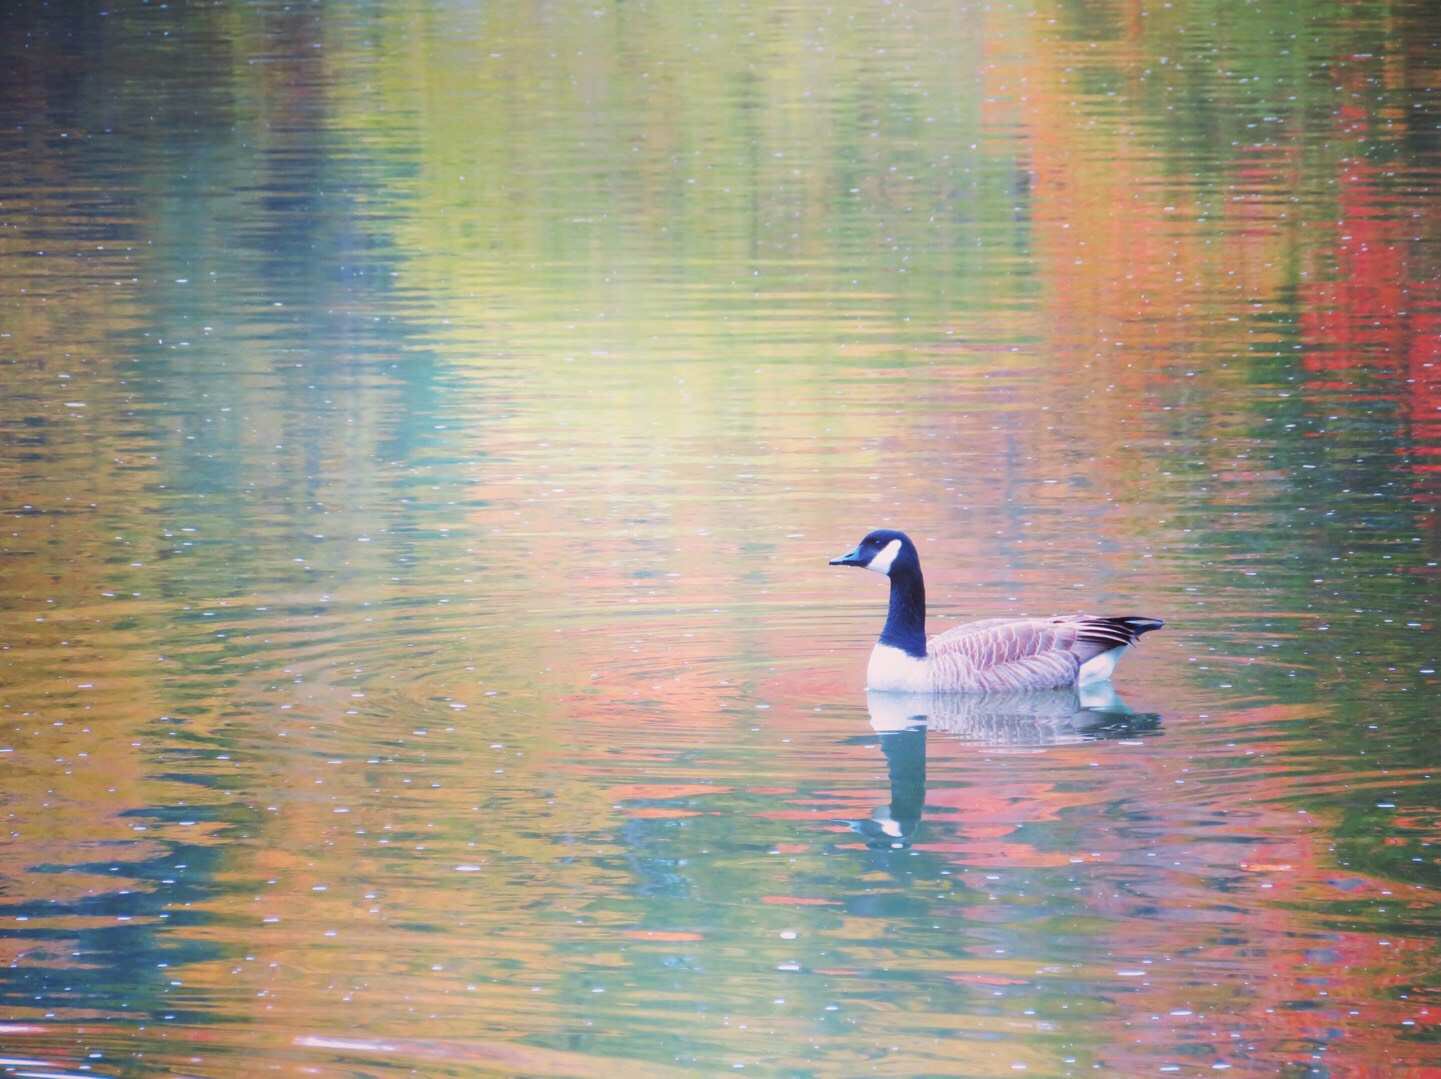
{"points": [[991, 655]]}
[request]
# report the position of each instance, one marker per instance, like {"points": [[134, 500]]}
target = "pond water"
{"points": [[423, 431]]}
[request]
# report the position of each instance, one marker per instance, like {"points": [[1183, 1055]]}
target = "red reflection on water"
{"points": [[1370, 311]]}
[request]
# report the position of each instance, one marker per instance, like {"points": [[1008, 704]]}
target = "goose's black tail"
{"points": [[1117, 631]]}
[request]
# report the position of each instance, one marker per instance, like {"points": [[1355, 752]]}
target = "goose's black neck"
{"points": [[906, 621]]}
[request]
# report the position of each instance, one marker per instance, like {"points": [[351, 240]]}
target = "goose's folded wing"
{"points": [[1004, 654], [991, 642], [1026, 653], [977, 626]]}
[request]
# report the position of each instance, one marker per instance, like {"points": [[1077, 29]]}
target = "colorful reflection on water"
{"points": [[424, 430]]}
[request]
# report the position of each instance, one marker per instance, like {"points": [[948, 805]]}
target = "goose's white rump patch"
{"points": [[881, 562], [1099, 668]]}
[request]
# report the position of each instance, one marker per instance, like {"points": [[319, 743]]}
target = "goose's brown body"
{"points": [[998, 654]]}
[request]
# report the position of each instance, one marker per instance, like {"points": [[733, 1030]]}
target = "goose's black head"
{"points": [[883, 551]]}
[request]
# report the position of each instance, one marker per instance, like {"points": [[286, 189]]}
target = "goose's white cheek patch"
{"points": [[881, 563]]}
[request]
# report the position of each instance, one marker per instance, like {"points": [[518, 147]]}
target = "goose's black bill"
{"points": [[850, 558]]}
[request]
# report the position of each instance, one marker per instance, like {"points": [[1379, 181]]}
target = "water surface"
{"points": [[423, 432]]}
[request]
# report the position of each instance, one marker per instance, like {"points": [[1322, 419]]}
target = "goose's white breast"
{"points": [[892, 670]]}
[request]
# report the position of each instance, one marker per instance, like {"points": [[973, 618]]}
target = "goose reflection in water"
{"points": [[1036, 718]]}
